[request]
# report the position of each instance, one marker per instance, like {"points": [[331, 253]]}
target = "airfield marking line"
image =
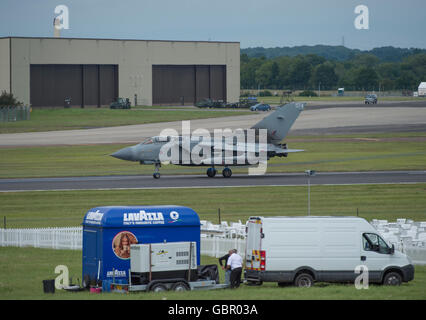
{"points": [[215, 187], [367, 139]]}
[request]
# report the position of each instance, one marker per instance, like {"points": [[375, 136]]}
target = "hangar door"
{"points": [[86, 85], [188, 84]]}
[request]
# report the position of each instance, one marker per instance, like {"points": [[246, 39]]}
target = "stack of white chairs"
{"points": [[403, 232]]}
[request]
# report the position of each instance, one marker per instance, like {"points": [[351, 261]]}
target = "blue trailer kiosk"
{"points": [[109, 231]]}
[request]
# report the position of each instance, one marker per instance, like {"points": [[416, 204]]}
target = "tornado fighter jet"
{"points": [[249, 147]]}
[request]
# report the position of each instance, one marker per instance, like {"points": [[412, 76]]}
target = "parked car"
{"points": [[247, 102], [120, 103], [370, 98], [260, 107], [209, 103], [232, 105]]}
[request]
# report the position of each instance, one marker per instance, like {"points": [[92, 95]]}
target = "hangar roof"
{"points": [[112, 39]]}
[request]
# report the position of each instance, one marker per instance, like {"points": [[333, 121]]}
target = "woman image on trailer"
{"points": [[121, 244]]}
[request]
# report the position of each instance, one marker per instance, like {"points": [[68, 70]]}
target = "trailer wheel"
{"points": [[304, 280], [180, 286], [158, 287]]}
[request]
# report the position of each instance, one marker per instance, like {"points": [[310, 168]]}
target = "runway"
{"points": [[202, 181], [322, 119]]}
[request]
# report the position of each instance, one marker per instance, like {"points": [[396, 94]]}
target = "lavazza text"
{"points": [[218, 309]]}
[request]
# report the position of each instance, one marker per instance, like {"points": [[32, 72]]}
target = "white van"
{"points": [[302, 250]]}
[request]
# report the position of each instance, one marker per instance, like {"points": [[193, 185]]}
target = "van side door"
{"points": [[375, 255]]}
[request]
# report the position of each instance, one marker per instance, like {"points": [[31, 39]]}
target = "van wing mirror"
{"points": [[392, 249]]}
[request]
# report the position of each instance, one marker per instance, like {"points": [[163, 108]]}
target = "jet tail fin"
{"points": [[279, 122]]}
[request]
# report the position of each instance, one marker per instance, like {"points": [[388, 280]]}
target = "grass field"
{"points": [[21, 280], [403, 151], [67, 208], [76, 118], [23, 269]]}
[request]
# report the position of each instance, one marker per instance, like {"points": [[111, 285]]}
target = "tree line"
{"points": [[363, 71], [337, 53]]}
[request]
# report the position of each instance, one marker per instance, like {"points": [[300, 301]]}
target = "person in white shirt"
{"points": [[235, 264]]}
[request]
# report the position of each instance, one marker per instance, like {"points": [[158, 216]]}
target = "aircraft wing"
{"points": [[243, 147], [239, 147], [289, 150]]}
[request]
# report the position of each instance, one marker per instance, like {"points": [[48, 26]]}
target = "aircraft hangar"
{"points": [[44, 72]]}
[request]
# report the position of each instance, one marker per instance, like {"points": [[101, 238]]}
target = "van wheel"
{"points": [[304, 280], [392, 279]]}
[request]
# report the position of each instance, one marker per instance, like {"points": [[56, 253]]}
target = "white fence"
{"points": [[217, 247], [51, 238]]}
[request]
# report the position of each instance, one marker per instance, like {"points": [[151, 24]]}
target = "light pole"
{"points": [[309, 173]]}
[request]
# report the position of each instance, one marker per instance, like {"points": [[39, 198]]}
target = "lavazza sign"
{"points": [[143, 217]]}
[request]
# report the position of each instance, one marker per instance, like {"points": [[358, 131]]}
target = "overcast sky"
{"points": [[267, 23]]}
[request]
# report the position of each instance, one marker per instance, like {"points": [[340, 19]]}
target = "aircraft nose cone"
{"points": [[124, 154]]}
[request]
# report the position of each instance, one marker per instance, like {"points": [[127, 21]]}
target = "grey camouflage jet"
{"points": [[212, 152]]}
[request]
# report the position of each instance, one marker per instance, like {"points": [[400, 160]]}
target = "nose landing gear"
{"points": [[156, 174]]}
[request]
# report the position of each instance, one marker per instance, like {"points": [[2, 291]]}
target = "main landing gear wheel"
{"points": [[227, 173], [156, 175], [211, 172]]}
